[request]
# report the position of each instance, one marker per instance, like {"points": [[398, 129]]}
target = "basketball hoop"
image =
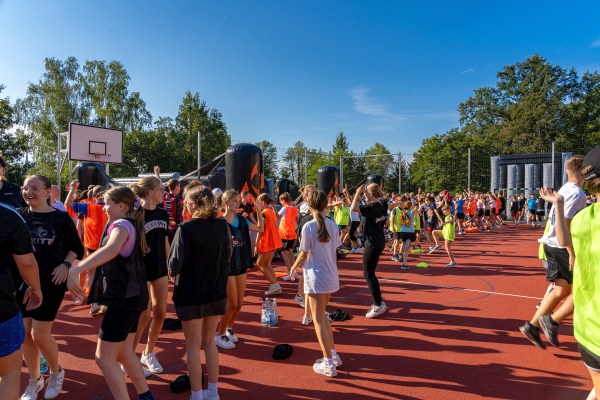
{"points": [[102, 158]]}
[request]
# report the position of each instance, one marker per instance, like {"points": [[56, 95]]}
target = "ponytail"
{"points": [[138, 217], [318, 202]]}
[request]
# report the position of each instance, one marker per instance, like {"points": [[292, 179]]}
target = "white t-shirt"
{"points": [[304, 209], [354, 216], [320, 268], [575, 200], [59, 206]]}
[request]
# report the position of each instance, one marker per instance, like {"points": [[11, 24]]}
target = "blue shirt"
{"points": [[531, 204], [460, 206]]}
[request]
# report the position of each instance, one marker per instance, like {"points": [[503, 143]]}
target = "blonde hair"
{"points": [[229, 195], [123, 194], [144, 186], [204, 200], [375, 190]]}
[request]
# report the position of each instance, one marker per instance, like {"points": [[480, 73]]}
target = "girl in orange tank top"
{"points": [[268, 241]]}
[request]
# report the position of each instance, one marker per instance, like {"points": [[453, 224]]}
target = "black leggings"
{"points": [[353, 228], [370, 260]]}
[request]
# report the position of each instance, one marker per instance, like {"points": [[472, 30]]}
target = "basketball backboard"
{"points": [[94, 143]]}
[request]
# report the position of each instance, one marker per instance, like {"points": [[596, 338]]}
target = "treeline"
{"points": [[532, 105]]}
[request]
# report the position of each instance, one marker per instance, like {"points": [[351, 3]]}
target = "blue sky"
{"points": [[381, 71]]}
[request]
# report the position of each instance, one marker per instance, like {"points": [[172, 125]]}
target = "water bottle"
{"points": [[271, 318], [43, 364], [264, 318], [275, 313]]}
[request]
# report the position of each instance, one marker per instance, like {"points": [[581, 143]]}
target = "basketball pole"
{"points": [[199, 148], [106, 166], [58, 166]]}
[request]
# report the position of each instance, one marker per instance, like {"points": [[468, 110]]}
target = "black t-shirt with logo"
{"points": [[53, 235], [156, 224], [14, 239], [375, 214]]}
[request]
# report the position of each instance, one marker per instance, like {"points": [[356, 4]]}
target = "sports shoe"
{"points": [[437, 247], [532, 333], [306, 320], [150, 361], [224, 342], [287, 277], [299, 299], [376, 310], [395, 258], [147, 372], [95, 309], [324, 369], [337, 361], [229, 333], [550, 329], [274, 288], [451, 264], [55, 384], [404, 267], [205, 396], [353, 250], [360, 250], [32, 390]]}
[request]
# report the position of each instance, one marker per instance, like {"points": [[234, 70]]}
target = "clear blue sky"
{"points": [[387, 71]]}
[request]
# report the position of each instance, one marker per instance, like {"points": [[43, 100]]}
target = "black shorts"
{"points": [[404, 236], [396, 235], [591, 360], [497, 212], [118, 323], [486, 213], [287, 244], [531, 211], [558, 264], [460, 216], [153, 274], [53, 297], [480, 213], [540, 213]]}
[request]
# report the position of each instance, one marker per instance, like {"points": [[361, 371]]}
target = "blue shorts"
{"points": [[12, 335]]}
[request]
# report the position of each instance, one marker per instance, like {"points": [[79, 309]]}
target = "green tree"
{"points": [[269, 158], [13, 144]]}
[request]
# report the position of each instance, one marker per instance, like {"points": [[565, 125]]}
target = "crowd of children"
{"points": [[120, 247]]}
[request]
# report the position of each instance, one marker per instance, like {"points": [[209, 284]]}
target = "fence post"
{"points": [[341, 173], [399, 173], [199, 148], [305, 166], [553, 149], [469, 171]]}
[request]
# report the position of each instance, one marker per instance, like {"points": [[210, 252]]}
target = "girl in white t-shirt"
{"points": [[318, 255]]}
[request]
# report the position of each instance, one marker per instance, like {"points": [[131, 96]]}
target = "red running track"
{"points": [[448, 334]]}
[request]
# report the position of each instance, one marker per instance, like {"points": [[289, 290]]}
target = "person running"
{"points": [[318, 256], [241, 261], [57, 245], [447, 234], [407, 230], [9, 192], [201, 250], [287, 231], [267, 242], [375, 213], [460, 213], [120, 285], [582, 233], [156, 226], [559, 258], [16, 253]]}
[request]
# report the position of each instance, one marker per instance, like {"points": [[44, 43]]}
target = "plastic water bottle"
{"points": [[275, 313], [43, 365], [264, 318]]}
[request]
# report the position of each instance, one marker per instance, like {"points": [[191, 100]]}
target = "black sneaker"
{"points": [[532, 333], [550, 329]]}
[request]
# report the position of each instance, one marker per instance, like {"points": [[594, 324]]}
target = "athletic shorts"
{"points": [[460, 216], [513, 214], [53, 297], [156, 273], [486, 213], [430, 229], [118, 323], [404, 236], [396, 235], [12, 335], [558, 264], [498, 212], [287, 244], [340, 227], [480, 213], [540, 213], [591, 360], [531, 211]]}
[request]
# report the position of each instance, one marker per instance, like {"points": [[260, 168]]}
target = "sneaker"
{"points": [[324, 369], [337, 361], [306, 320], [77, 302], [532, 333], [95, 309], [353, 250], [437, 247], [274, 288], [205, 396], [376, 310], [150, 361], [404, 267], [287, 278], [328, 316], [550, 329], [224, 342], [452, 264], [55, 384], [299, 299], [147, 372], [32, 390], [360, 250], [229, 333], [395, 258]]}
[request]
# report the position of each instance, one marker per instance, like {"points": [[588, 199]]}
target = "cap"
{"points": [[282, 351], [592, 159], [217, 192]]}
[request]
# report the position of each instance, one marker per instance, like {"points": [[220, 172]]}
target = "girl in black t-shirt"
{"points": [[56, 245], [156, 223], [375, 213], [241, 260]]}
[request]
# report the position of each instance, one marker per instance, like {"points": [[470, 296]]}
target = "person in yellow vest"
{"points": [[447, 233], [395, 226], [287, 230], [583, 235], [341, 216]]}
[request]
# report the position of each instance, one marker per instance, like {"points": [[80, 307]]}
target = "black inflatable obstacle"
{"points": [[378, 179], [284, 185], [244, 169], [92, 173], [328, 179]]}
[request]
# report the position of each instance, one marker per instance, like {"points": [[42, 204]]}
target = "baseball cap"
{"points": [[592, 159]]}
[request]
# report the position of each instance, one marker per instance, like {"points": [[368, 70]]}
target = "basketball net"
{"points": [[102, 159]]}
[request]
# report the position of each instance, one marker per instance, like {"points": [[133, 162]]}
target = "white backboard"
{"points": [[87, 142]]}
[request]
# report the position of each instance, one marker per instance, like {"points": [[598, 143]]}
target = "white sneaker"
{"points": [[224, 342], [324, 369], [452, 264], [205, 396], [32, 390], [147, 372], [150, 361], [306, 320], [229, 333], [55, 384], [274, 288], [376, 310], [299, 299], [337, 361], [287, 278]]}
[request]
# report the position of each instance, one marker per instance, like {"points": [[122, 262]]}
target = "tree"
{"points": [[13, 145], [269, 158], [294, 162]]}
